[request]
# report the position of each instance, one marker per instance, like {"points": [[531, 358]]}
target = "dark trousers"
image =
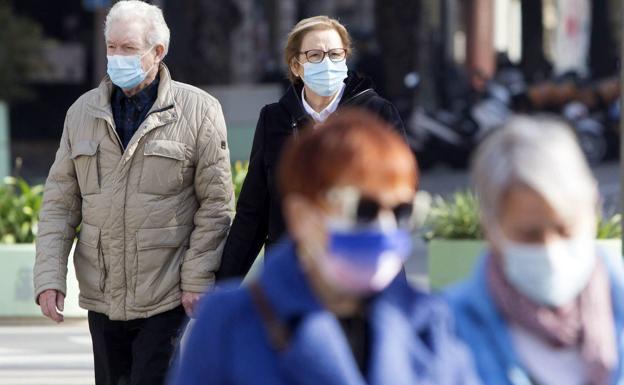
{"points": [[136, 352]]}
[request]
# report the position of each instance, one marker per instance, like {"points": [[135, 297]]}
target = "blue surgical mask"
{"points": [[126, 71], [553, 274], [325, 78], [364, 261]]}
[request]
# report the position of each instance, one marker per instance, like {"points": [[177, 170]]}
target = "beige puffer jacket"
{"points": [[154, 217]]}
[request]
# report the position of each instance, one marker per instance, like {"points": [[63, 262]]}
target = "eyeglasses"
{"points": [[318, 55], [361, 210]]}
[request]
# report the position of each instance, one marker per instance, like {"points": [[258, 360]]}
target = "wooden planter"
{"points": [[450, 261]]}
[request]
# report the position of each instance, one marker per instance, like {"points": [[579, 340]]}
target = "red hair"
{"points": [[353, 148]]}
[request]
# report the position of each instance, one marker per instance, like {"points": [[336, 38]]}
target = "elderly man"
{"points": [[143, 167]]}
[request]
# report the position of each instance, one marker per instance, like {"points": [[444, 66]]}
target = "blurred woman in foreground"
{"points": [[544, 306], [330, 307]]}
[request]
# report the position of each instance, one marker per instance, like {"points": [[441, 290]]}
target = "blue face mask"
{"points": [[126, 71], [326, 77], [365, 261]]}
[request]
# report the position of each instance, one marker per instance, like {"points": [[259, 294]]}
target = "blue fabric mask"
{"points": [[326, 77], [126, 71], [365, 261]]}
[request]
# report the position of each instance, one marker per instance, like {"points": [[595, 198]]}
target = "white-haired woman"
{"points": [[544, 306]]}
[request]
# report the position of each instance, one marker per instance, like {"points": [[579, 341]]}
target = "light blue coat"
{"points": [[484, 330]]}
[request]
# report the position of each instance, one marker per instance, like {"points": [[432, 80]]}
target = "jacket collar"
{"points": [[100, 105], [355, 86], [143, 98], [482, 306], [318, 351], [283, 274], [163, 110]]}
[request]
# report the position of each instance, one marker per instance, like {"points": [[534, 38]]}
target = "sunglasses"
{"points": [[361, 210]]}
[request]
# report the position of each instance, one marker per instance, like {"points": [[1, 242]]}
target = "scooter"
{"points": [[450, 135]]}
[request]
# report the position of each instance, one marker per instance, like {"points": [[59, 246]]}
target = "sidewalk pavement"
{"points": [[37, 352]]}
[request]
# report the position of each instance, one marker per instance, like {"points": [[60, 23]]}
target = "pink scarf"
{"points": [[586, 323]]}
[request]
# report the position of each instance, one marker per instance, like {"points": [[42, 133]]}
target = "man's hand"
{"points": [[189, 301], [52, 303]]}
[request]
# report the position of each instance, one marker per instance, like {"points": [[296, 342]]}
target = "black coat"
{"points": [[259, 220]]}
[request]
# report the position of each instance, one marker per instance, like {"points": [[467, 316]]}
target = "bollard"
{"points": [[5, 144]]}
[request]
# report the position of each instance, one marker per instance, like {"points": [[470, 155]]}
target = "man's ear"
{"points": [[160, 52]]}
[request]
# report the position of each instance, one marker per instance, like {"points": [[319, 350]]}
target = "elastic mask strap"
{"points": [[142, 56]]}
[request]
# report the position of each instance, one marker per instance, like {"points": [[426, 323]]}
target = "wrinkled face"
{"points": [[527, 218], [127, 38], [325, 40]]}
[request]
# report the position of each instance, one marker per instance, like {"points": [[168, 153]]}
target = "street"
{"points": [[48, 354], [45, 354]]}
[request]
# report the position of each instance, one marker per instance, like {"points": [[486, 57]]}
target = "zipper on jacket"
{"points": [[114, 129], [159, 110], [352, 98]]}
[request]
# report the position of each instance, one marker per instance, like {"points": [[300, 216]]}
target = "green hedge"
{"points": [[239, 172], [457, 217], [19, 209]]}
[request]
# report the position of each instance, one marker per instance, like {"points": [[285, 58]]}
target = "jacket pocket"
{"points": [[89, 262], [162, 167], [85, 156], [159, 256]]}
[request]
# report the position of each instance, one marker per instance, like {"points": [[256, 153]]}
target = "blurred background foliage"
{"points": [[21, 43], [457, 217]]}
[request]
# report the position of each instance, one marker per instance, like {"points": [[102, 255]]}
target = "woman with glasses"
{"points": [[544, 306], [316, 54], [329, 307]]}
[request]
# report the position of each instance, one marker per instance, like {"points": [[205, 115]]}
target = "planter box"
{"points": [[450, 261], [16, 284]]}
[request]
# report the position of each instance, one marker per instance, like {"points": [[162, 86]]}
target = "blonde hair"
{"points": [[299, 31]]}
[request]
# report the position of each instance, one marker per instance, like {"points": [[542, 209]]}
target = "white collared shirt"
{"points": [[320, 117]]}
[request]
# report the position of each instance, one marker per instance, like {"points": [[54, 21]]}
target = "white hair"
{"points": [[156, 30], [539, 153]]}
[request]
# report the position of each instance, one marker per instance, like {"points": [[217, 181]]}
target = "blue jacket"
{"points": [[484, 330], [410, 334]]}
